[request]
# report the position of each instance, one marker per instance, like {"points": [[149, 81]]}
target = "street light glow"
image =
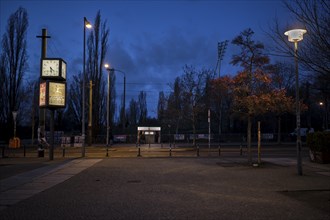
{"points": [[295, 35], [106, 65], [88, 24]]}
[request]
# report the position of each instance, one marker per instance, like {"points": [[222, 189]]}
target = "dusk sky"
{"points": [[150, 41]]}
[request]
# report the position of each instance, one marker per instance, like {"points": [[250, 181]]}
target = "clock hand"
{"points": [[51, 70]]}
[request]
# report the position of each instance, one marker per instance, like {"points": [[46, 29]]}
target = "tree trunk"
{"points": [[220, 120], [249, 125], [194, 130], [279, 130]]}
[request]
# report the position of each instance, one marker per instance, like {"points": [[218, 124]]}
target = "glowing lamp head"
{"points": [[88, 25], [295, 35], [107, 66]]}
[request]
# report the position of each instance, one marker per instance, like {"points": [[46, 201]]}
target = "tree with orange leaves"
{"points": [[251, 89]]}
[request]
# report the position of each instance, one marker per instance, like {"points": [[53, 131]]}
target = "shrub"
{"points": [[319, 141]]}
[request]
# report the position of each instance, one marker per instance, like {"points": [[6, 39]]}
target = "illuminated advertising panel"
{"points": [[52, 94], [42, 94], [56, 94]]}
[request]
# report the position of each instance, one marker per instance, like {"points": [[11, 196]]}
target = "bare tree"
{"points": [[13, 67], [142, 103], [161, 107], [193, 87], [73, 112], [97, 49], [133, 112], [174, 111]]}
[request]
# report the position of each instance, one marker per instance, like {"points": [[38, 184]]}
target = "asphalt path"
{"points": [[181, 188]]}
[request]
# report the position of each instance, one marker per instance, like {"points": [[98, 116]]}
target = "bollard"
{"points": [[139, 152], [24, 150], [241, 150], [63, 152], [41, 151], [170, 151], [197, 150], [107, 154], [219, 149]]}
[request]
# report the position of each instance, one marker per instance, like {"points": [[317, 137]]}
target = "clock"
{"points": [[53, 68]]}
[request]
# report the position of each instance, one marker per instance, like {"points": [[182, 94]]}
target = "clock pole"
{"points": [[42, 111]]}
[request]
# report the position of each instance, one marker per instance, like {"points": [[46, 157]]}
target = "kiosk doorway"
{"points": [[149, 135]]}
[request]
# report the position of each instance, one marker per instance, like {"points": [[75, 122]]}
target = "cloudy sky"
{"points": [[150, 41]]}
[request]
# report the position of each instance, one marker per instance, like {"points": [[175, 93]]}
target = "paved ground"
{"points": [[162, 188]]}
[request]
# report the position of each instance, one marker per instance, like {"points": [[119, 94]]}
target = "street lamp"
{"points": [[295, 36], [108, 104], [112, 69], [107, 66], [87, 24]]}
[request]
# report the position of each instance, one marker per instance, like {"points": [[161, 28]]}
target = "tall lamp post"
{"points": [[221, 51], [295, 36], [107, 66], [87, 24], [108, 104]]}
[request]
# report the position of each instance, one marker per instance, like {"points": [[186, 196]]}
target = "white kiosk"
{"points": [[148, 135]]}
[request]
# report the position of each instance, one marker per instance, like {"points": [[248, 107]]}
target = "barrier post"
{"points": [[139, 152], [170, 150]]}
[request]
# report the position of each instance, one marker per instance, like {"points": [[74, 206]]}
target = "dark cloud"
{"points": [[152, 62]]}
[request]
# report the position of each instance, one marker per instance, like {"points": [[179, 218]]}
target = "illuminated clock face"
{"points": [[50, 67], [64, 70]]}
